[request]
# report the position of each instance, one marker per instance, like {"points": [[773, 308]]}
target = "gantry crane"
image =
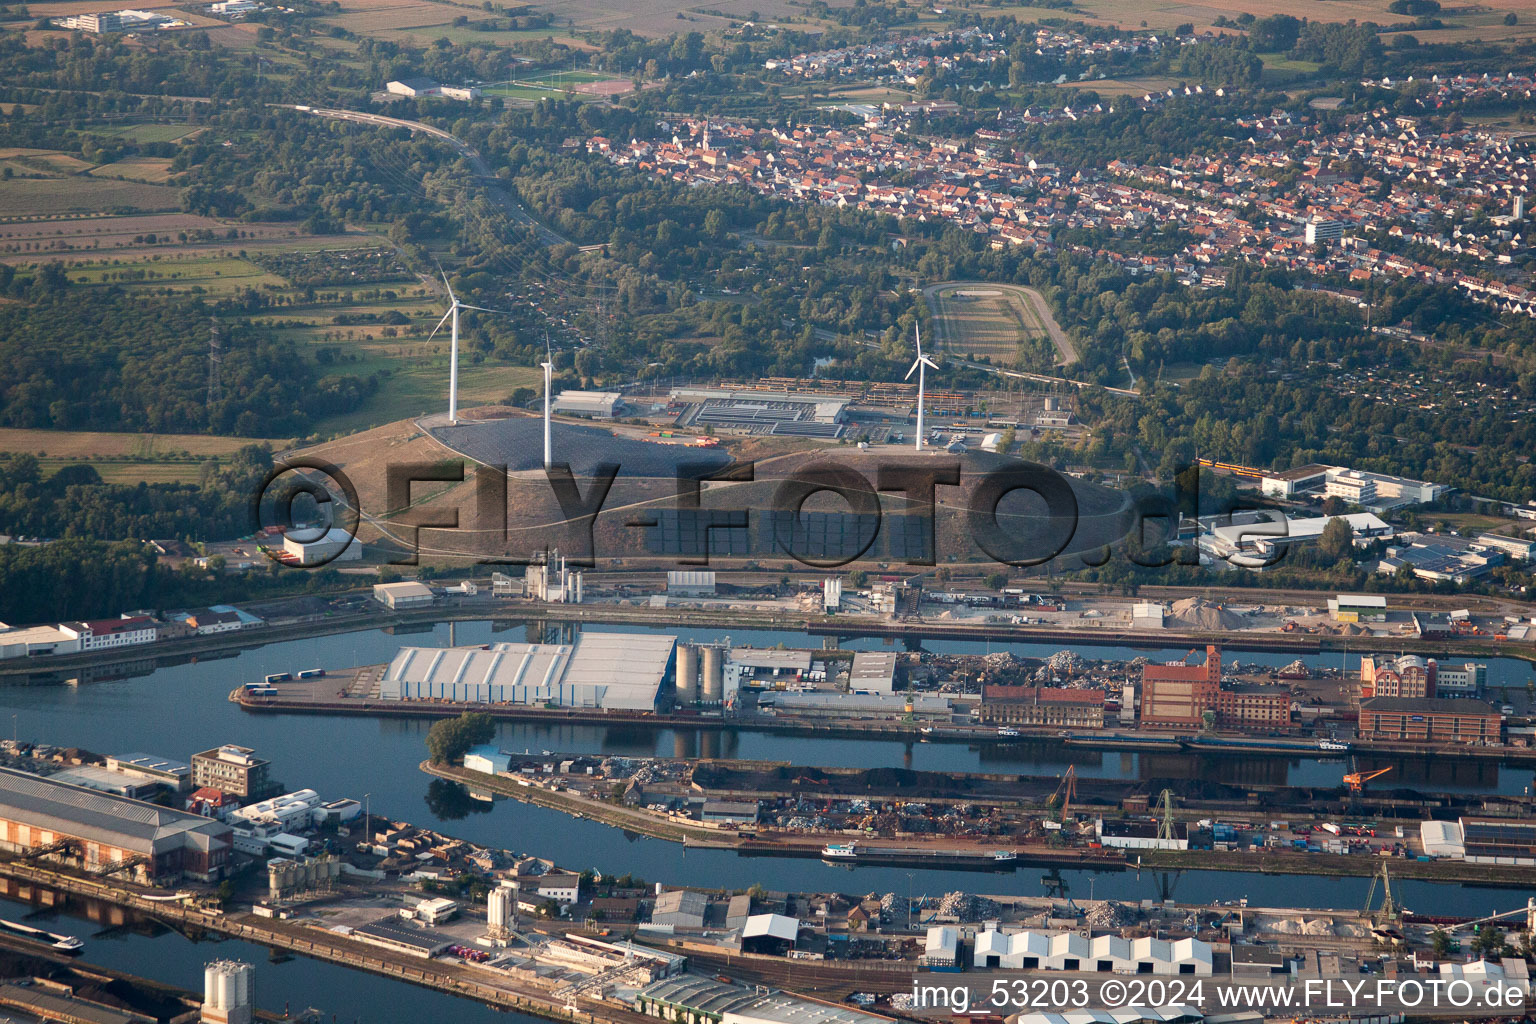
{"points": [[1165, 826], [1389, 908]]}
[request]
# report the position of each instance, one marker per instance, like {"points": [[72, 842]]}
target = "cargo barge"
{"points": [[63, 943], [899, 856]]}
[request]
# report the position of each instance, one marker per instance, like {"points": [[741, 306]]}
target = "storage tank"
{"points": [[228, 994], [712, 679], [687, 674], [498, 907]]}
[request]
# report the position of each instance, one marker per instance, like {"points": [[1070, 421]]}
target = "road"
{"points": [[495, 188]]}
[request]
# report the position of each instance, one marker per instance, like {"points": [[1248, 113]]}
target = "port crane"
{"points": [[1389, 908], [1066, 790], [1356, 780], [1529, 910], [1165, 804]]}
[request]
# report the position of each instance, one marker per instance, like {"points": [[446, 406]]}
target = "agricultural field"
{"points": [[96, 444], [129, 458], [154, 170], [52, 196], [994, 322], [212, 275], [146, 132], [1479, 20]]}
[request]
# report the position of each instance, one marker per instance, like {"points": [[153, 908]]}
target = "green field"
{"points": [[131, 471], [213, 275], [146, 132]]}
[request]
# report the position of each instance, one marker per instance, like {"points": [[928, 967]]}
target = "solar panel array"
{"points": [[699, 533]]}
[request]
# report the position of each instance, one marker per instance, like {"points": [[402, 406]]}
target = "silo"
{"points": [[228, 992], [498, 907], [687, 674], [712, 679]]}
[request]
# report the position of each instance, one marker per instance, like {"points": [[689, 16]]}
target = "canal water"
{"points": [[176, 710], [283, 983]]}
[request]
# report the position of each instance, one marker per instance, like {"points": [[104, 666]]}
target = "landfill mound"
{"points": [[1194, 613]]}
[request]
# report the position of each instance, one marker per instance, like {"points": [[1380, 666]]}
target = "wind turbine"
{"points": [[549, 366], [453, 360], [920, 367]]}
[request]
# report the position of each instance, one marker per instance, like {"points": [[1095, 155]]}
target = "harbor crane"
{"points": [[1165, 825], [1389, 908], [1529, 910], [1356, 780], [1066, 790]]}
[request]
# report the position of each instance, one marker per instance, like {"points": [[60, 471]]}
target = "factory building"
{"points": [[98, 830], [1247, 544], [1288, 483], [592, 405], [401, 596], [1177, 695], [612, 671], [1056, 706], [335, 545], [1408, 676], [175, 774], [781, 413], [1430, 720], [921, 706], [36, 640], [233, 769], [1105, 954]]}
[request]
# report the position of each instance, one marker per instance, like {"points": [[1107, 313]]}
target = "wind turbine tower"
{"points": [[549, 366], [920, 366], [453, 358]]}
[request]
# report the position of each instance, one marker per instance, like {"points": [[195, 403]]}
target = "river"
{"points": [[176, 710]]}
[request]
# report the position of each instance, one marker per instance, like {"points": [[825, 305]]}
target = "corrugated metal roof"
{"points": [[100, 817]]}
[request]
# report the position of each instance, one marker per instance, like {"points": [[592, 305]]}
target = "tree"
{"points": [[996, 581], [856, 579], [1337, 541], [450, 739], [1444, 946], [1489, 941]]}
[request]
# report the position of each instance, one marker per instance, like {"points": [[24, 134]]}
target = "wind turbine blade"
{"points": [[451, 297], [549, 355], [915, 364], [930, 363], [440, 325]]}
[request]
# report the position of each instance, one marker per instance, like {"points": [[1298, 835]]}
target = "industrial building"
{"points": [[941, 947], [229, 993], [922, 707], [873, 672], [36, 640], [592, 405], [680, 908], [1057, 706], [336, 545], [395, 934], [1177, 695], [1378, 492], [612, 671], [694, 999], [103, 634], [781, 413], [1120, 834], [1106, 954], [1441, 558], [233, 769], [1407, 676], [1430, 720], [175, 774], [1358, 608], [769, 934], [690, 583], [1481, 841], [401, 596], [1246, 545], [98, 830]]}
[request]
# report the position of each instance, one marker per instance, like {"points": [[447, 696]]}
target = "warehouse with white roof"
{"points": [[612, 671], [1110, 954]]}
